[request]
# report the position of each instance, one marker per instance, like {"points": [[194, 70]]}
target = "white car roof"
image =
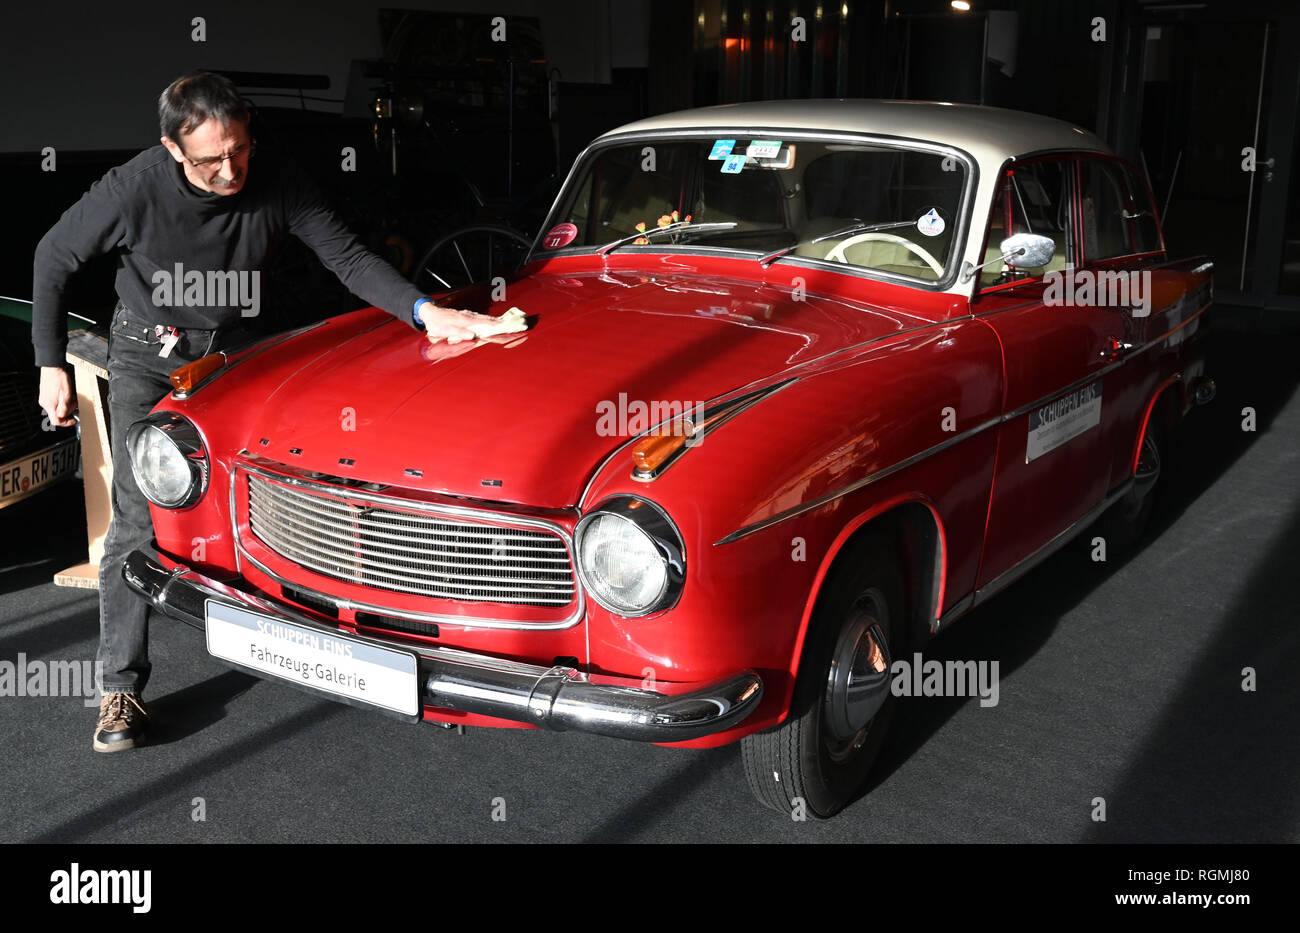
{"points": [[990, 134]]}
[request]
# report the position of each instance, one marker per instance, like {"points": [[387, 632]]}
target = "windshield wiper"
{"points": [[771, 257], [678, 225]]}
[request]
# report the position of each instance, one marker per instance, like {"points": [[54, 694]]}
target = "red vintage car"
{"points": [[803, 383]]}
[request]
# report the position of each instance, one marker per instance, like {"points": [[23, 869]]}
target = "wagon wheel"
{"points": [[471, 254], [842, 703]]}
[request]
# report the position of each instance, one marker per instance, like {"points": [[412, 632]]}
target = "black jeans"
{"points": [[137, 381]]}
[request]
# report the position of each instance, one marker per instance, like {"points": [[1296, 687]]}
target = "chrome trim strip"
{"points": [[1078, 383], [718, 401], [434, 618], [854, 486], [289, 478], [731, 409], [579, 600], [255, 350], [1027, 563], [234, 516], [959, 609], [1001, 419]]}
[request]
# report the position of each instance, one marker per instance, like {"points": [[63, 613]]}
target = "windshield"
{"points": [[876, 207]]}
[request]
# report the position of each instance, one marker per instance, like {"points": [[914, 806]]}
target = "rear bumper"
{"points": [[560, 698]]}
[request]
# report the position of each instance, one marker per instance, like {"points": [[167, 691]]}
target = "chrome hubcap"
{"points": [[857, 683]]}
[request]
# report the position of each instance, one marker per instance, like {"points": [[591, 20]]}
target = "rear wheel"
{"points": [[1126, 521], [823, 752]]}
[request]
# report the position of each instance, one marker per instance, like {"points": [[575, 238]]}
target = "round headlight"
{"points": [[167, 460], [631, 557]]}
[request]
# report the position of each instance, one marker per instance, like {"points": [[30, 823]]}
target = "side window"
{"points": [[1142, 214], [1109, 227], [1032, 198]]}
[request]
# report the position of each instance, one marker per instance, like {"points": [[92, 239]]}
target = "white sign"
{"points": [[323, 660], [1062, 420]]}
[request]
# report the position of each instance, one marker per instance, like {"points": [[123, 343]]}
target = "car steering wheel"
{"points": [[837, 254]]}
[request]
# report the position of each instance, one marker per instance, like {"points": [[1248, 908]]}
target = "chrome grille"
{"points": [[409, 552]]}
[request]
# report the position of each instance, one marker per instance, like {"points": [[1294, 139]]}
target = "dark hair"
{"points": [[193, 98]]}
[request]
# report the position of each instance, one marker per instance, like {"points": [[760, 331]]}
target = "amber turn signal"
{"points": [[190, 375], [651, 451]]}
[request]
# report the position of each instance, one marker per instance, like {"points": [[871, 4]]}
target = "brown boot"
{"points": [[122, 723]]}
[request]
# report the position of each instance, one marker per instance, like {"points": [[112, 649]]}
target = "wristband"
{"points": [[415, 312]]}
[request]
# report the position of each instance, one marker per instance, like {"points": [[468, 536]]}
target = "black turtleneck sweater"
{"points": [[148, 213]]}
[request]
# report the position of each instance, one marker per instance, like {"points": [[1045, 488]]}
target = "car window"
{"points": [[1143, 232], [1033, 197], [775, 194], [1103, 205]]}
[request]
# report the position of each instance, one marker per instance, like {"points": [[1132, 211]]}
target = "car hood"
{"points": [[527, 419]]}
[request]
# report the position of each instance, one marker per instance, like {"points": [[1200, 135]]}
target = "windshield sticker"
{"points": [[764, 149], [559, 235], [930, 223], [1062, 420], [721, 149], [733, 165]]}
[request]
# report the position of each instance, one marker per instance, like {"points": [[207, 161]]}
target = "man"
{"points": [[198, 203]]}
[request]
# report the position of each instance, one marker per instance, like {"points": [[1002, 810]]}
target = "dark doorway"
{"points": [[1219, 98]]}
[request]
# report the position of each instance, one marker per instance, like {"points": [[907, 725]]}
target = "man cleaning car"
{"points": [[193, 223]]}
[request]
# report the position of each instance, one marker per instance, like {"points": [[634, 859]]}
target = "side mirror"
{"points": [[1022, 250], [1027, 250]]}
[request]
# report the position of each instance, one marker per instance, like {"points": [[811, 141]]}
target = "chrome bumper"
{"points": [[560, 698]]}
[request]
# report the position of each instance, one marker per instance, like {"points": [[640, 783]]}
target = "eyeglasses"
{"points": [[245, 150]]}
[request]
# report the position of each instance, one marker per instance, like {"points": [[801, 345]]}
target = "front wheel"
{"points": [[823, 752]]}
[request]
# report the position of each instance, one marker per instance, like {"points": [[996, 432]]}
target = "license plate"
{"points": [[21, 478], [332, 663]]}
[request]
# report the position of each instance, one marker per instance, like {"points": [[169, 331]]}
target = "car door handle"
{"points": [[1114, 347]]}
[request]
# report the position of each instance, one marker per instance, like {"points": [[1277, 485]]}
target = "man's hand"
{"points": [[450, 323], [57, 397]]}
